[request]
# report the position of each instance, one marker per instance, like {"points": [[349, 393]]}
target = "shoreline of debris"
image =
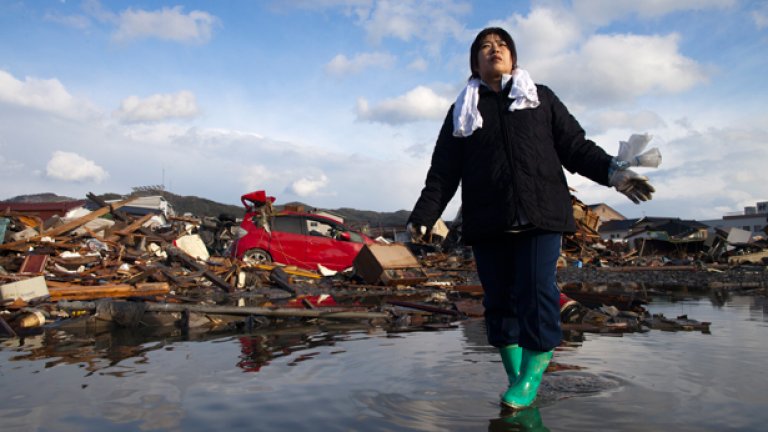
{"points": [[694, 277]]}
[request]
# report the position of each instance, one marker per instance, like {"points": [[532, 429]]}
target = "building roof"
{"points": [[44, 210], [674, 227], [606, 209], [668, 229], [747, 216], [616, 225]]}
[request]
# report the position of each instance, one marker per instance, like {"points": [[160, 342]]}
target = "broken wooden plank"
{"points": [[135, 225], [290, 270], [324, 313], [64, 291], [424, 307]]}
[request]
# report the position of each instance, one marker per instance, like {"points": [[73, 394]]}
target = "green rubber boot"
{"points": [[511, 357], [523, 392]]}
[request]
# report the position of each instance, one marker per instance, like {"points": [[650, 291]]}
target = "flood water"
{"points": [[347, 378]]}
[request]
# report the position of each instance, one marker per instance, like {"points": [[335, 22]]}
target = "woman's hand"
{"points": [[417, 232], [635, 186]]}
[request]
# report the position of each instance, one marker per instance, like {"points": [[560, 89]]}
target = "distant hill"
{"points": [[372, 218], [204, 207], [40, 198], [356, 218]]}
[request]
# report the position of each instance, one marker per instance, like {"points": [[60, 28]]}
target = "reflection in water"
{"points": [[259, 348], [759, 308], [148, 412], [518, 420], [95, 351], [356, 377], [422, 411], [100, 349], [718, 297]]}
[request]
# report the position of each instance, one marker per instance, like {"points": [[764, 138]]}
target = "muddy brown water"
{"points": [[348, 378]]}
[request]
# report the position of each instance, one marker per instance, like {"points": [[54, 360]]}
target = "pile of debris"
{"points": [[106, 266], [665, 253], [106, 269]]}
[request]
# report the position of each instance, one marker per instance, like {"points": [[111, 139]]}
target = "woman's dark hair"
{"points": [[498, 31]]}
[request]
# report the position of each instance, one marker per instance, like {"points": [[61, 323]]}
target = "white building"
{"points": [[753, 219]]}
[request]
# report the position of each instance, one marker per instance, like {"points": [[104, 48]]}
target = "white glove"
{"points": [[632, 184], [417, 232]]}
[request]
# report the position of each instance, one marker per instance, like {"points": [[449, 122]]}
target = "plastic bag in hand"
{"points": [[630, 151]]}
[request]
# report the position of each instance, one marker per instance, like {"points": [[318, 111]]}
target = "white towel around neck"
{"points": [[466, 117]]}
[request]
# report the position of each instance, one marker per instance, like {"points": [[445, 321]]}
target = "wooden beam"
{"points": [[64, 291], [190, 262], [135, 225], [325, 313]]}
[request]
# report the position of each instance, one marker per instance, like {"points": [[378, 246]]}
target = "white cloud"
{"points": [[11, 168], [431, 21], [310, 185], [69, 166], [341, 65], [604, 11], [544, 32], [158, 107], [359, 8], [653, 62], [616, 68], [418, 150], [636, 121], [75, 21], [256, 177], [45, 95], [760, 17], [94, 9], [168, 23], [421, 103], [418, 64]]}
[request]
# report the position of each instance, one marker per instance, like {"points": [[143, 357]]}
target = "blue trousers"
{"points": [[521, 299]]}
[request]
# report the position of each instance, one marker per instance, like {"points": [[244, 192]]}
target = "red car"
{"points": [[293, 237]]}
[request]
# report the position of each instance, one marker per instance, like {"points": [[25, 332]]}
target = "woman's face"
{"points": [[493, 59]]}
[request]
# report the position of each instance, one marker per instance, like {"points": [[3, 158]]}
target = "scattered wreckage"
{"points": [[107, 269]]}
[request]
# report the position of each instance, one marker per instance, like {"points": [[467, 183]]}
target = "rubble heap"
{"points": [[108, 269]]}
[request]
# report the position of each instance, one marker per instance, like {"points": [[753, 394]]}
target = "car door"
{"points": [[288, 243]]}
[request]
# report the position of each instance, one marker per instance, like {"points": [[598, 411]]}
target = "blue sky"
{"points": [[337, 103]]}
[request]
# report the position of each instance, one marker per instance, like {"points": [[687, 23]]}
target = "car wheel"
{"points": [[257, 256]]}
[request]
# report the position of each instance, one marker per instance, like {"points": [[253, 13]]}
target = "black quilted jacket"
{"points": [[515, 161]]}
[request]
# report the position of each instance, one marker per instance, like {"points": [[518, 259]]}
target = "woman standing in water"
{"points": [[507, 140]]}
